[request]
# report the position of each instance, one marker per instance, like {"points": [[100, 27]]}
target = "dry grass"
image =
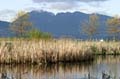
{"points": [[53, 51]]}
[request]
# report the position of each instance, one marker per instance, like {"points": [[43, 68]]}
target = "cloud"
{"points": [[62, 6], [7, 15], [86, 6], [67, 4], [40, 1]]}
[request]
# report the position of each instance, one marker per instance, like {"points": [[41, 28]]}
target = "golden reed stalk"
{"points": [[53, 51]]}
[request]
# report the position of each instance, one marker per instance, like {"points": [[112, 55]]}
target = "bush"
{"points": [[38, 34]]}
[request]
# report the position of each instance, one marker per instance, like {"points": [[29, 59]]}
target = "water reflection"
{"points": [[109, 65]]}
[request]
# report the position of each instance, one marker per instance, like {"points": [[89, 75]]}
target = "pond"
{"points": [[109, 65]]}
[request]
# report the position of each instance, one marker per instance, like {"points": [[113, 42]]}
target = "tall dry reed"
{"points": [[53, 51]]}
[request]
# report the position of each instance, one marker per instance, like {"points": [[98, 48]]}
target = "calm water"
{"points": [[109, 65]]}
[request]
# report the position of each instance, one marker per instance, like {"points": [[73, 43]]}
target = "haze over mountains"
{"points": [[60, 25]]}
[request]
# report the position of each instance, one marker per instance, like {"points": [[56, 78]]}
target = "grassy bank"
{"points": [[53, 51]]}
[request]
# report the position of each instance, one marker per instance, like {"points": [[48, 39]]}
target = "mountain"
{"points": [[4, 29], [60, 25], [66, 24]]}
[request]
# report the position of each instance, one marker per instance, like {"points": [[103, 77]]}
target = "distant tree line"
{"points": [[91, 26]]}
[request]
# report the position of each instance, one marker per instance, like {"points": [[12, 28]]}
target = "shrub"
{"points": [[36, 34]]}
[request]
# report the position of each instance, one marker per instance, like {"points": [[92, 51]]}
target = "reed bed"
{"points": [[53, 51]]}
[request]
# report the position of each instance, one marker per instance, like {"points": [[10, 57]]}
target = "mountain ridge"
{"points": [[4, 29], [66, 24]]}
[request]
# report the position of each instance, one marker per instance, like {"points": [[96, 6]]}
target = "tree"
{"points": [[21, 24], [90, 26], [114, 26]]}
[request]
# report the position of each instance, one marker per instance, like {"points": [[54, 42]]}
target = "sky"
{"points": [[8, 9]]}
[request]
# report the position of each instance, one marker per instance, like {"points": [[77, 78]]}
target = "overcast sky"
{"points": [[8, 8]]}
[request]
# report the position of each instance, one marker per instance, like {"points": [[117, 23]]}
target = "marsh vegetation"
{"points": [[54, 51]]}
